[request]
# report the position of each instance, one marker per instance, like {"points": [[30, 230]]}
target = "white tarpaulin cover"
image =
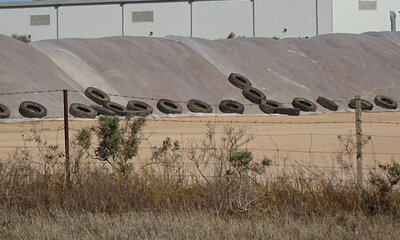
{"points": [[335, 66]]}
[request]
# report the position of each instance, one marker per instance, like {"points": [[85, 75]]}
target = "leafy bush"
{"points": [[117, 143], [392, 172], [241, 159], [231, 35], [266, 162]]}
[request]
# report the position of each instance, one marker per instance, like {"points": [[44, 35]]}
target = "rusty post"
{"points": [[66, 137], [359, 140]]}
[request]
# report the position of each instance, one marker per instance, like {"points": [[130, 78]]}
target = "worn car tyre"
{"points": [[79, 110], [31, 109], [328, 104], [288, 111], [230, 106], [365, 105], [198, 106], [169, 107], [4, 111], [96, 95], [385, 102], [304, 104], [239, 81], [253, 94], [103, 111], [139, 108], [119, 109], [269, 106]]}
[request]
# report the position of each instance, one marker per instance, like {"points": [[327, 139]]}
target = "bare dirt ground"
{"points": [[308, 140]]}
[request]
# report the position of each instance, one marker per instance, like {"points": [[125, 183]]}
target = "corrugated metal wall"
{"points": [[362, 16], [89, 21], [290, 18], [217, 19], [168, 19], [211, 19], [18, 21]]}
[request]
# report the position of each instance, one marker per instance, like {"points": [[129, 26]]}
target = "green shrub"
{"points": [[241, 159], [392, 172], [117, 143]]}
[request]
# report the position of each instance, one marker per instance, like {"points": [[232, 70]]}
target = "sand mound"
{"points": [[336, 66]]}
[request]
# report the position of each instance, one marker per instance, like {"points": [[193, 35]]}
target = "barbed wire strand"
{"points": [[155, 98]]}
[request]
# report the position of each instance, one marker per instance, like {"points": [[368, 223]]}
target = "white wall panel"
{"points": [[18, 21], [325, 18], [349, 19], [169, 18], [297, 16], [216, 19], [90, 21]]}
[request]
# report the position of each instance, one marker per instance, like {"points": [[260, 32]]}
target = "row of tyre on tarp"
{"points": [[255, 96], [106, 107]]}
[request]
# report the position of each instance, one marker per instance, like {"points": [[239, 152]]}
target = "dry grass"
{"points": [[161, 201], [194, 225], [101, 190]]}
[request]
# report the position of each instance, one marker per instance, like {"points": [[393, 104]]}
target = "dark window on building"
{"points": [[367, 4], [38, 20], [143, 16]]}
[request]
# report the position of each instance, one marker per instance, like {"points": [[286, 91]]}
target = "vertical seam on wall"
{"points": [[191, 18], [316, 18], [123, 20], [332, 16], [57, 34], [254, 18]]}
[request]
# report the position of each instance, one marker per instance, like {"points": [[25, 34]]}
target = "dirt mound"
{"points": [[335, 66]]}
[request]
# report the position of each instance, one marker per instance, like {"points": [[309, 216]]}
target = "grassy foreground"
{"points": [[161, 206], [194, 225], [228, 196]]}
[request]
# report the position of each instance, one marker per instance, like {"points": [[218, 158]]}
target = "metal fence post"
{"points": [[66, 137], [359, 139]]}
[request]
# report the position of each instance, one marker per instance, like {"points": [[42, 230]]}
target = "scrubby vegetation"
{"points": [[225, 195]]}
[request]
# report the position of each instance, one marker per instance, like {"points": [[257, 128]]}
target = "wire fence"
{"points": [[155, 98], [316, 148]]}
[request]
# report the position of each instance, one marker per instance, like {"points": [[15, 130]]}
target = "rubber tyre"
{"points": [[103, 111], [230, 106], [4, 111], [239, 81], [31, 109], [139, 108], [304, 105], [253, 94], [288, 111], [328, 104], [269, 106], [198, 106], [119, 109], [365, 105], [96, 95], [385, 102], [169, 107], [79, 110]]}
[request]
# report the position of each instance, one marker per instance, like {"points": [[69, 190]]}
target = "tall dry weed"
{"points": [[231, 185]]}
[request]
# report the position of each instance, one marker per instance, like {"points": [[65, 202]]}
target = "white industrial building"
{"points": [[211, 19]]}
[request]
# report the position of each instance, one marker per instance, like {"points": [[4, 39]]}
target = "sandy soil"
{"points": [[310, 140]]}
